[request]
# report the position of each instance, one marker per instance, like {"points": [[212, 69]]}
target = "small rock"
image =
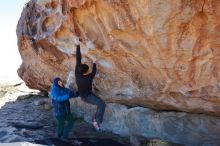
{"points": [[2, 133], [22, 97], [27, 125], [47, 106], [21, 143], [157, 142], [134, 140], [43, 93], [39, 102]]}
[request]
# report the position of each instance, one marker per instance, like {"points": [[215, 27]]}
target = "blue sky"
{"points": [[10, 60]]}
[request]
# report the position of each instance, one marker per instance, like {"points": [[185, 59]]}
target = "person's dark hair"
{"points": [[55, 81], [84, 68]]}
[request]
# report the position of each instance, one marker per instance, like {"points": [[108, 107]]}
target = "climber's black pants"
{"points": [[93, 99]]}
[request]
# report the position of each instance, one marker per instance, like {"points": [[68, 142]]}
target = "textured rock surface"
{"points": [[178, 127], [162, 54]]}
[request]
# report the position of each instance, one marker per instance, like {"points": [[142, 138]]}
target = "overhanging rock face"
{"points": [[161, 54]]}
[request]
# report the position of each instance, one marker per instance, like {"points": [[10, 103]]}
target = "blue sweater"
{"points": [[60, 99]]}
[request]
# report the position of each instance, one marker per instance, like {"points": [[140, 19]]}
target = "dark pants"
{"points": [[62, 129], [92, 99]]}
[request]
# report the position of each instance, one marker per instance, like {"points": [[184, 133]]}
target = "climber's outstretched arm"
{"points": [[78, 57]]}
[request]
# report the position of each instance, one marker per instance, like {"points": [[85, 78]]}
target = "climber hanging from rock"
{"points": [[60, 99], [84, 81]]}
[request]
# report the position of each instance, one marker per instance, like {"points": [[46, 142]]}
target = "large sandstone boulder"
{"points": [[162, 54]]}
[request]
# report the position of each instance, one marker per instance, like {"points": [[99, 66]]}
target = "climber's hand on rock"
{"points": [[93, 58], [90, 44], [77, 41]]}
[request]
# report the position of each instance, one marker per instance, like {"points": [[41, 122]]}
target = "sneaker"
{"points": [[96, 125]]}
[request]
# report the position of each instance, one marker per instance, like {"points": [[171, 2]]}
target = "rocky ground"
{"points": [[26, 116]]}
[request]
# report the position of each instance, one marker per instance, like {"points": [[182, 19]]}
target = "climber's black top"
{"points": [[84, 82]]}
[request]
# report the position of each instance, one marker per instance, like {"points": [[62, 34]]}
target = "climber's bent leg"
{"points": [[92, 99]]}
